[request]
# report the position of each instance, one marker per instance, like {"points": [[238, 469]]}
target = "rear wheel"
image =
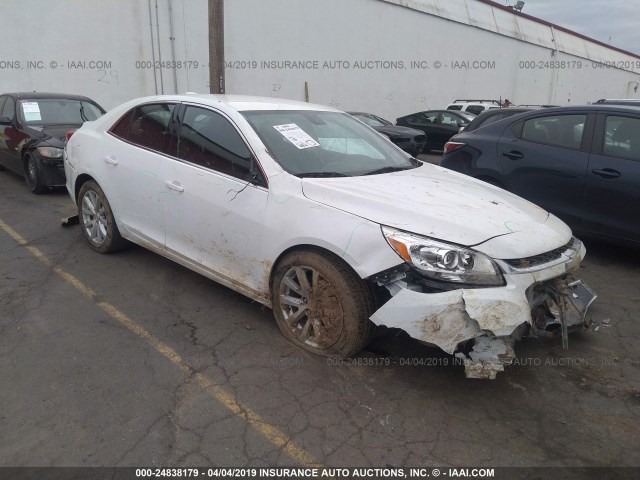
{"points": [[96, 219], [33, 175], [321, 305]]}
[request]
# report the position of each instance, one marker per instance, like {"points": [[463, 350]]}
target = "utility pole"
{"points": [[216, 46]]}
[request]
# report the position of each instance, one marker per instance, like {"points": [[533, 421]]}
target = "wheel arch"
{"points": [[81, 180], [307, 247]]}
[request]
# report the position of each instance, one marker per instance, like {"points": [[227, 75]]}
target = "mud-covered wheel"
{"points": [[33, 175], [96, 219], [321, 305]]}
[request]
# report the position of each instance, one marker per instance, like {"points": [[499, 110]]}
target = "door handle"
{"points": [[111, 160], [174, 186], [513, 155], [607, 173]]}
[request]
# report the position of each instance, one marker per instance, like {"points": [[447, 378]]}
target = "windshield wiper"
{"points": [[387, 170], [322, 174]]}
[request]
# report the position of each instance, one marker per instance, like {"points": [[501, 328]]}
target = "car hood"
{"points": [[394, 130], [446, 205], [54, 135]]}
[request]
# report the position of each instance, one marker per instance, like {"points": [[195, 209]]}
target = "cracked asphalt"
{"points": [[159, 366]]}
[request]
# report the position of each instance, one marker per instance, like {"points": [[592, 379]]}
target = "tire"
{"points": [[96, 219], [33, 175], [321, 305]]}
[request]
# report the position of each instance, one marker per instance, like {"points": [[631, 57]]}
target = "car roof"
{"points": [[239, 103], [593, 107], [36, 95], [458, 112], [496, 111]]}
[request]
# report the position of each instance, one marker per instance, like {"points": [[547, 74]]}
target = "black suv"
{"points": [[33, 129], [580, 163]]}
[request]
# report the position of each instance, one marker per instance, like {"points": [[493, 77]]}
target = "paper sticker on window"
{"points": [[31, 111], [296, 135]]}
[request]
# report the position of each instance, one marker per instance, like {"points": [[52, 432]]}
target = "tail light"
{"points": [[453, 146], [70, 134]]}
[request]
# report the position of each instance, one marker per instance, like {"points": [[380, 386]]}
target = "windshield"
{"points": [[63, 111], [314, 143]]}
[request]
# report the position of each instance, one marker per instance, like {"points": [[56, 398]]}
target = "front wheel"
{"points": [[96, 219], [321, 305], [33, 175]]}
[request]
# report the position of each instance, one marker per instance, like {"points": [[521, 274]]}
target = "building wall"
{"points": [[103, 48], [436, 51], [391, 57]]}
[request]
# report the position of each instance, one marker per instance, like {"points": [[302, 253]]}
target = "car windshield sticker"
{"points": [[296, 135], [31, 111]]}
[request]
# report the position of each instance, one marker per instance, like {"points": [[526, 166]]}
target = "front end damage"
{"points": [[481, 325]]}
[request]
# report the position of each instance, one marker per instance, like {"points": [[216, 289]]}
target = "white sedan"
{"points": [[310, 212]]}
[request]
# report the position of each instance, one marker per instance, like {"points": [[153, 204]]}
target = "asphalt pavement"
{"points": [[129, 359]]}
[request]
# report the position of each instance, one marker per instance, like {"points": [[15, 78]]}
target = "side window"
{"points": [[450, 120], [559, 130], [454, 107], [150, 126], [2, 100], [121, 129], [9, 109], [423, 119], [208, 139], [476, 109], [622, 137]]}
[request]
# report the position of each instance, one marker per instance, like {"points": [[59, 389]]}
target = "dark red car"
{"points": [[33, 129]]}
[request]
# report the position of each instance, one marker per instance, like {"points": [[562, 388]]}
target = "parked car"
{"points": [[33, 129], [581, 163], [410, 140], [490, 116], [438, 125], [474, 106], [308, 211]]}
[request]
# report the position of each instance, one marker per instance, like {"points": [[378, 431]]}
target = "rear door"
{"points": [[544, 159], [132, 170], [613, 177]]}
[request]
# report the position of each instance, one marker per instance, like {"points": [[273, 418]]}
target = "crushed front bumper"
{"points": [[538, 297]]}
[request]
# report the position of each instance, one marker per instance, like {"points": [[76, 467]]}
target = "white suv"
{"points": [[474, 106]]}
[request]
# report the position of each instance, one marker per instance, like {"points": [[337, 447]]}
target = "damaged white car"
{"points": [[307, 210]]}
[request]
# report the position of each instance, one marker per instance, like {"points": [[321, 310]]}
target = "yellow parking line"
{"points": [[270, 432]]}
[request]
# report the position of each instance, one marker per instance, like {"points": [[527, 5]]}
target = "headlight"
{"points": [[50, 152], [444, 261]]}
